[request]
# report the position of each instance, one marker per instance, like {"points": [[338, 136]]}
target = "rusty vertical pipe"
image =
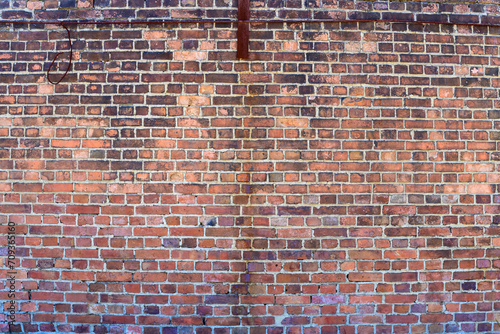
{"points": [[243, 29]]}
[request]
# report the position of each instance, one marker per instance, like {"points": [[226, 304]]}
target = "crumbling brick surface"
{"points": [[344, 179]]}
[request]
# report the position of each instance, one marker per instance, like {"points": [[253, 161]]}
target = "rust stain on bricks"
{"points": [[246, 219]]}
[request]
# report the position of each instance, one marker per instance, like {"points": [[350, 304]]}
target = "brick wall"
{"points": [[344, 179]]}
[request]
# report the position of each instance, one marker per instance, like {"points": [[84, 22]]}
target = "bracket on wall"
{"points": [[243, 28]]}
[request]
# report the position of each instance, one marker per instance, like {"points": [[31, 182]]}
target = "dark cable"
{"points": [[57, 55]]}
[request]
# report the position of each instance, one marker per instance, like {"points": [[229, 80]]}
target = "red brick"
{"points": [[113, 277], [325, 185]]}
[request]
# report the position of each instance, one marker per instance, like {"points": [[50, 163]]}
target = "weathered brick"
{"points": [[346, 171]]}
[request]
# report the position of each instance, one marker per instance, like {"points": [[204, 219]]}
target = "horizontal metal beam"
{"points": [[245, 21]]}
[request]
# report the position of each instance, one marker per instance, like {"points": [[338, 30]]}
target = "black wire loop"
{"points": [[57, 55]]}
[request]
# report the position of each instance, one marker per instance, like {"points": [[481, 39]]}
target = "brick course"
{"points": [[344, 179]]}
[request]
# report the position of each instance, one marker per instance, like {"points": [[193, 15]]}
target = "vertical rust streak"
{"points": [[243, 29]]}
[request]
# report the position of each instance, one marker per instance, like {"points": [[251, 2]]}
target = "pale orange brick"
{"points": [[85, 3], [193, 111], [96, 308], [480, 188], [206, 89], [45, 89], [125, 188], [461, 70], [290, 45], [194, 100], [485, 167], [445, 93], [369, 47], [454, 188], [190, 55], [292, 122], [155, 34], [34, 5], [352, 47]]}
